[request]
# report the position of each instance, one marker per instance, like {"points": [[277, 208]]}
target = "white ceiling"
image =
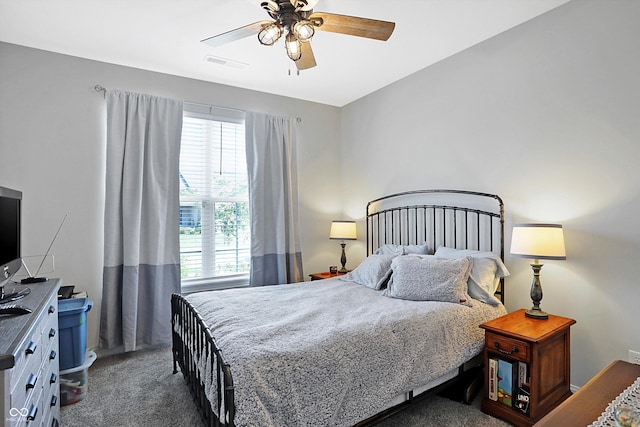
{"points": [[164, 36]]}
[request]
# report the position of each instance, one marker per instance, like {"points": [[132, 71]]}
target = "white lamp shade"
{"points": [[343, 230], [538, 241]]}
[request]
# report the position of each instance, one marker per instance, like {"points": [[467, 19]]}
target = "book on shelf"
{"points": [[493, 378], [523, 391], [507, 381]]}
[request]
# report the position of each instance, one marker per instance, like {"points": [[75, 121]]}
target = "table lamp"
{"points": [[343, 230], [537, 241]]}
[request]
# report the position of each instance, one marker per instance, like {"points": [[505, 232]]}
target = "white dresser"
{"points": [[29, 360]]}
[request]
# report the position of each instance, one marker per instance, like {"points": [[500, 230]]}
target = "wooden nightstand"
{"points": [[325, 275], [542, 347]]}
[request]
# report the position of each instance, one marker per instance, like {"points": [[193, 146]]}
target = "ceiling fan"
{"points": [[296, 20]]}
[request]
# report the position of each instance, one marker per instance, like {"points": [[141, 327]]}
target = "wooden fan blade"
{"points": [[354, 26], [237, 34], [307, 60]]}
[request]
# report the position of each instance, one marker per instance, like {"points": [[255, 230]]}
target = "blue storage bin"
{"points": [[72, 329]]}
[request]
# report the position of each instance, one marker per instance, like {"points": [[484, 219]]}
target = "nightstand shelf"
{"points": [[543, 347]]}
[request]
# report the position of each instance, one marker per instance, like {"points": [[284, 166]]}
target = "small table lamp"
{"points": [[537, 241], [343, 230]]}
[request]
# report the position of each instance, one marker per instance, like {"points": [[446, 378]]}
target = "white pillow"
{"points": [[391, 249], [485, 275], [373, 272], [427, 278]]}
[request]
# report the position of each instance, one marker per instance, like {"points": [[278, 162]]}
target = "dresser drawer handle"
{"points": [[31, 348], [52, 309], [52, 355], [33, 411], [514, 349], [54, 400], [31, 383], [52, 333], [53, 378]]}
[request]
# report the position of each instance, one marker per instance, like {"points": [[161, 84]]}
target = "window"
{"points": [[214, 197]]}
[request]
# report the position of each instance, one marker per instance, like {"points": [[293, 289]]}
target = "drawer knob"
{"points": [[52, 355], [52, 309], [52, 333], [514, 349]]}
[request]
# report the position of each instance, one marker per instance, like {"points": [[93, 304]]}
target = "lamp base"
{"points": [[343, 259], [536, 314]]}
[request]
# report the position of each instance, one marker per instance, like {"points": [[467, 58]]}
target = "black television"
{"points": [[10, 261]]}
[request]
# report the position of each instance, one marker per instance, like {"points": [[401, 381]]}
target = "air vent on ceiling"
{"points": [[226, 62]]}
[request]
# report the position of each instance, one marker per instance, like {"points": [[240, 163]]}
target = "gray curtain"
{"points": [[276, 255], [142, 210]]}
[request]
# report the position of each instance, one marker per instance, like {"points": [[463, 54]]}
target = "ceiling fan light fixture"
{"points": [[304, 5], [270, 6], [304, 30], [292, 46], [270, 34]]}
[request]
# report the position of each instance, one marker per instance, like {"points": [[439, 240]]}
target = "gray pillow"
{"points": [[373, 272], [485, 274], [391, 249], [427, 278]]}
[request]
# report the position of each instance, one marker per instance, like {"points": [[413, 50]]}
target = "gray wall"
{"points": [[52, 146], [547, 115]]}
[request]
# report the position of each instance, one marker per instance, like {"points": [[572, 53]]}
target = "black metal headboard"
{"points": [[453, 218]]}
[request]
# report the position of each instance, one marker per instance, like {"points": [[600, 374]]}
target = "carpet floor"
{"points": [[139, 389]]}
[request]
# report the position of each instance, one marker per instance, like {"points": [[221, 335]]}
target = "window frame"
{"points": [[207, 112]]}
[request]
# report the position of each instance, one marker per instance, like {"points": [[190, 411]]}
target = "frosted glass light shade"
{"points": [[303, 30], [293, 48], [343, 230], [538, 241]]}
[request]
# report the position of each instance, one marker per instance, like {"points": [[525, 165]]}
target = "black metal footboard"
{"points": [[202, 364]]}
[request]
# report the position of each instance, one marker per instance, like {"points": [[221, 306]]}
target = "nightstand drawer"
{"points": [[510, 347]]}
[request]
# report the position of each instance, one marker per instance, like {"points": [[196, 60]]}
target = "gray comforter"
{"points": [[332, 353]]}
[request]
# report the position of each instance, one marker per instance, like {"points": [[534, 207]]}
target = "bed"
{"points": [[348, 350]]}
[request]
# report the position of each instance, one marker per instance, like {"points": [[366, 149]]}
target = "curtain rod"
{"points": [[99, 88], [214, 107]]}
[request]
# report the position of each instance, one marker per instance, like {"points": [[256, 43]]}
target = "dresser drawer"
{"points": [[51, 315], [28, 368], [513, 348], [28, 363], [36, 413]]}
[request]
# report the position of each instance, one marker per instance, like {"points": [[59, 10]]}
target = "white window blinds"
{"points": [[214, 208]]}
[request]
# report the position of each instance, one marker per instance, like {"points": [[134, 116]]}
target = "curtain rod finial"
{"points": [[99, 88]]}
